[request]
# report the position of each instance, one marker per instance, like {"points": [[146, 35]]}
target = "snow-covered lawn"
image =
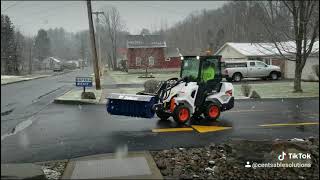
{"points": [[5, 79], [281, 90]]}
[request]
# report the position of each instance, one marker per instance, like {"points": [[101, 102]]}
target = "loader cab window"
{"points": [[190, 68]]}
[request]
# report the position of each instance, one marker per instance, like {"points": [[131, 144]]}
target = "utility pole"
{"points": [[93, 46], [99, 40]]}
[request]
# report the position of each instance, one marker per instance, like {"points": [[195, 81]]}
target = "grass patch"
{"points": [[282, 90]]}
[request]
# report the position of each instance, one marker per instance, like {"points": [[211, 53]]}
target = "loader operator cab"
{"points": [[205, 70], [201, 69]]}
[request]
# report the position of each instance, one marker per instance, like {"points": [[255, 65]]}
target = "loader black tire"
{"points": [[212, 111], [181, 114], [162, 115]]}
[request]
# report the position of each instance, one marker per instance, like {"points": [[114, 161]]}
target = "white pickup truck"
{"points": [[237, 70]]}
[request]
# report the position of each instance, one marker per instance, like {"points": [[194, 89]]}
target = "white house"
{"points": [[268, 53], [51, 63]]}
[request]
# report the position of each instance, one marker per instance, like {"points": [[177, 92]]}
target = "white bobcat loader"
{"points": [[191, 95]]}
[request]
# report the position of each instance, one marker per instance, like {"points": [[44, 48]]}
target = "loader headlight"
{"points": [[198, 57], [181, 57], [229, 93]]}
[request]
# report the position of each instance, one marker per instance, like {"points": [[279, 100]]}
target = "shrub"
{"points": [[151, 85], [255, 95], [88, 95], [246, 89]]}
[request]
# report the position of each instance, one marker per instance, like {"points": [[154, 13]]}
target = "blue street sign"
{"points": [[84, 81]]}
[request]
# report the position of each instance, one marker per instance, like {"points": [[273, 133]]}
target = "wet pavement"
{"points": [[70, 131], [21, 100]]}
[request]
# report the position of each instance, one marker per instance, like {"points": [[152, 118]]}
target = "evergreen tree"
{"points": [[7, 45], [42, 45]]}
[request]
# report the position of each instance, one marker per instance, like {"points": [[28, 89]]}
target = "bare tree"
{"points": [[148, 56], [19, 46], [113, 25], [303, 30]]}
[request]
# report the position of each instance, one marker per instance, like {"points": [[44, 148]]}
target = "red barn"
{"points": [[149, 51]]}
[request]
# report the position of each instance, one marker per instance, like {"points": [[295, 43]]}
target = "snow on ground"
{"points": [[5, 79], [9, 77]]}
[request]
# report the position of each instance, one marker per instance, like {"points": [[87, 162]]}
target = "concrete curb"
{"points": [[155, 172], [21, 171], [76, 102]]}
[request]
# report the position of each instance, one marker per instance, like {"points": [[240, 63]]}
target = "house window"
{"points": [[138, 61], [167, 59], [151, 61]]}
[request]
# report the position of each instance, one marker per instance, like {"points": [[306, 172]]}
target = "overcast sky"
{"points": [[30, 16]]}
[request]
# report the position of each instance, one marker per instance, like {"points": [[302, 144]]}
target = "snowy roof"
{"points": [[145, 41], [54, 59], [267, 49], [48, 59]]}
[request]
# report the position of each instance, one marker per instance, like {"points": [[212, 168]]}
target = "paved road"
{"points": [[21, 100], [68, 131]]}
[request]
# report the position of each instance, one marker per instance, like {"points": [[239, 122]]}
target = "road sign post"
{"points": [[84, 82]]}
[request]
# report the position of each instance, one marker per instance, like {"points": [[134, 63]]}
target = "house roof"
{"points": [[54, 59], [267, 49], [145, 41]]}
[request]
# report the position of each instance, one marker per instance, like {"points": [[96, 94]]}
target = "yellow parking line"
{"points": [[171, 129], [204, 129], [290, 124]]}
